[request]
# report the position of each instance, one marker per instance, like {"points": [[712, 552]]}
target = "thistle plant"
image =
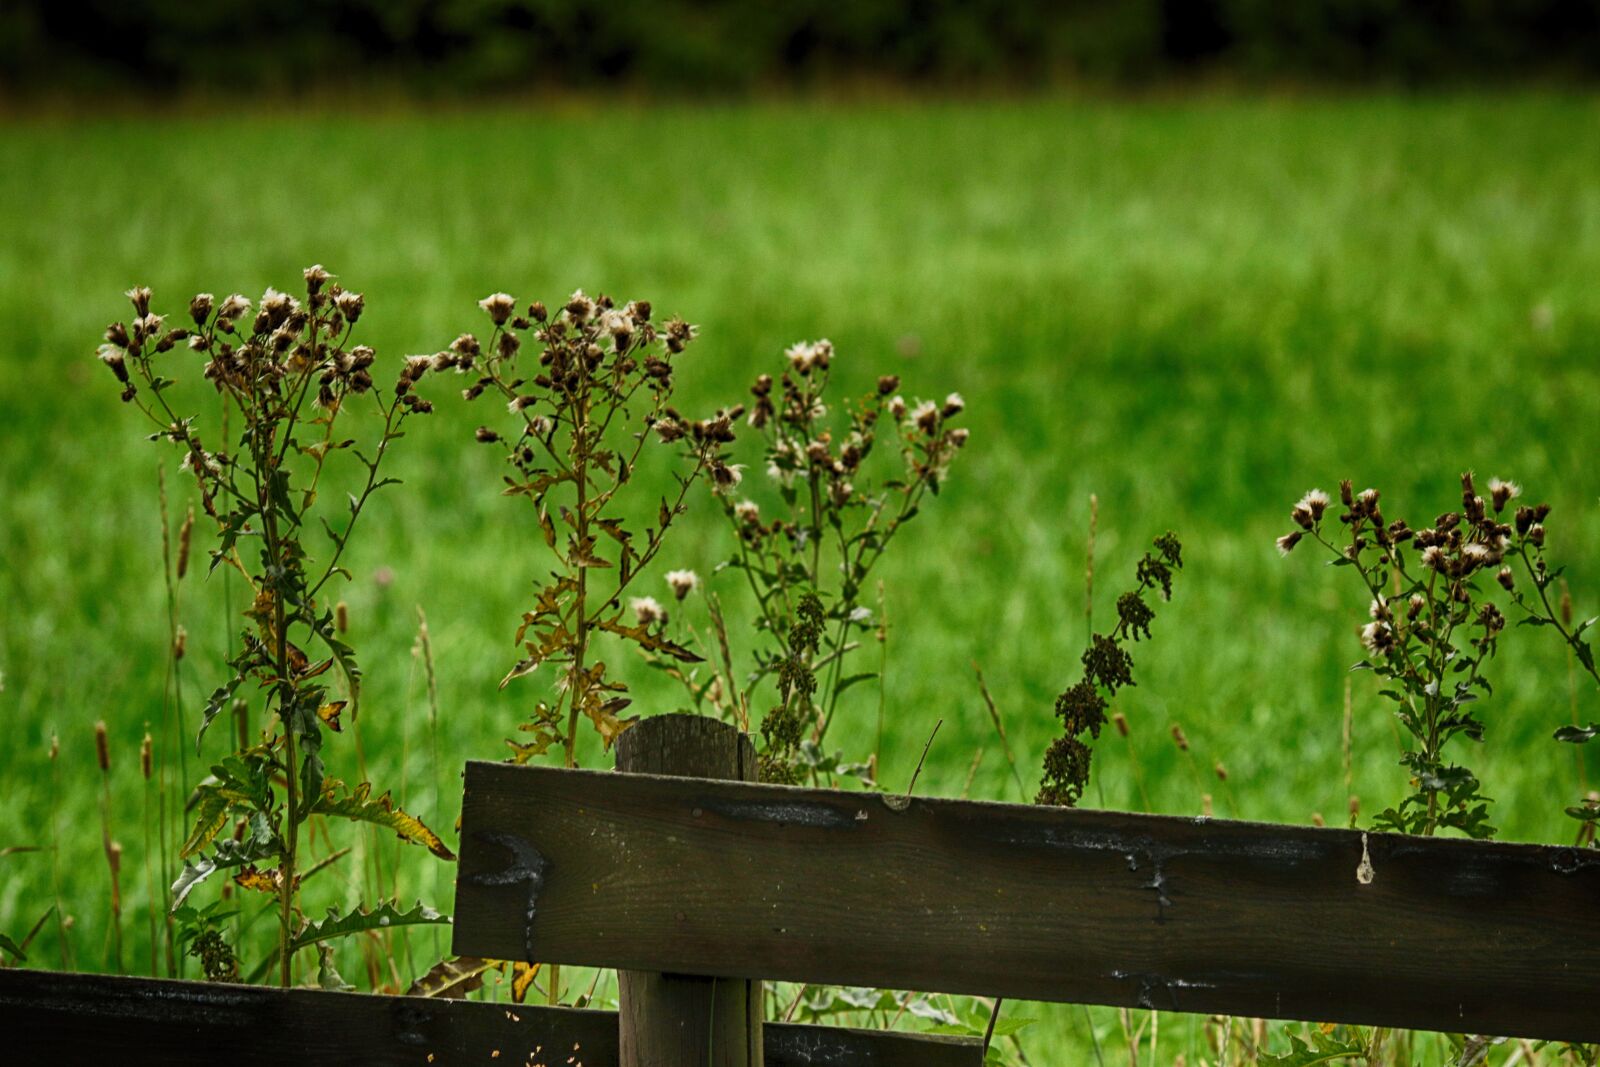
{"points": [[1434, 625], [578, 424], [289, 371], [807, 565], [1107, 667]]}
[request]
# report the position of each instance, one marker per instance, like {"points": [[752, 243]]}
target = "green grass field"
{"points": [[1194, 309]]}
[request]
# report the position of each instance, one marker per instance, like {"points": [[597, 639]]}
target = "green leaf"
{"points": [[220, 698], [211, 815], [13, 948], [327, 976], [1584, 813], [1323, 1049], [1578, 735], [384, 917], [228, 854], [1007, 1027], [358, 806], [191, 875], [854, 679]]}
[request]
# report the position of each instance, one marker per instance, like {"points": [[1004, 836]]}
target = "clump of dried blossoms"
{"points": [[578, 423], [1434, 625], [808, 560], [287, 367], [1107, 667]]}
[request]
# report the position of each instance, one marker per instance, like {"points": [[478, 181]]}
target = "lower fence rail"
{"points": [[50, 1017]]}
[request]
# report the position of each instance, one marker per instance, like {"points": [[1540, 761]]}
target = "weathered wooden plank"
{"points": [[743, 880], [49, 1017], [80, 1018]]}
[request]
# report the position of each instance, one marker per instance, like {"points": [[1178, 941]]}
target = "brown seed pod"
{"points": [[185, 535]]}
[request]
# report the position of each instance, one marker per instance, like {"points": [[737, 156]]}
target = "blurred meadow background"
{"points": [[1194, 291]]}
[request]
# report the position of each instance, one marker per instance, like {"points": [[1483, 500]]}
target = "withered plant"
{"points": [[299, 387], [579, 417], [1435, 624], [807, 563], [1107, 667]]}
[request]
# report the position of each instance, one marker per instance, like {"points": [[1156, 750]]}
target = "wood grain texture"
{"points": [[48, 1017], [677, 1020], [1195, 915]]}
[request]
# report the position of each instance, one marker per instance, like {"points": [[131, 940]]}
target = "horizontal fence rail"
{"points": [[742, 880], [50, 1017]]}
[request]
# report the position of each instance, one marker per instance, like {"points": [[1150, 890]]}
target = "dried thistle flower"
{"points": [[836, 510], [597, 395], [647, 610], [1434, 657], [682, 582], [289, 375]]}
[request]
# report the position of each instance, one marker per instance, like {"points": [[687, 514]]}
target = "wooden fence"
{"points": [[747, 881], [697, 888]]}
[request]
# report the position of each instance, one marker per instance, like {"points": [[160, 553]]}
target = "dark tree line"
{"points": [[455, 46]]}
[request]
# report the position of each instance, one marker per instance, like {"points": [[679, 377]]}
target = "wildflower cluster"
{"points": [[580, 420], [808, 560], [287, 367], [1107, 667], [1433, 624]]}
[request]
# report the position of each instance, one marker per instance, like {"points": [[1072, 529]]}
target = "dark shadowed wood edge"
{"points": [[1196, 915], [49, 1017]]}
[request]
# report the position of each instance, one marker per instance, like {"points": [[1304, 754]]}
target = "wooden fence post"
{"points": [[672, 1020]]}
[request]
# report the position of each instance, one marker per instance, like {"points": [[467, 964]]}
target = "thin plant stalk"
{"points": [[1000, 730], [1094, 1038], [113, 851], [921, 759], [1572, 687], [155, 901], [1088, 607], [425, 643], [1088, 571], [1121, 722], [168, 570], [883, 677], [972, 772], [55, 852]]}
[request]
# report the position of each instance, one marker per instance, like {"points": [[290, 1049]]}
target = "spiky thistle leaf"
{"points": [[358, 806], [384, 917]]}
